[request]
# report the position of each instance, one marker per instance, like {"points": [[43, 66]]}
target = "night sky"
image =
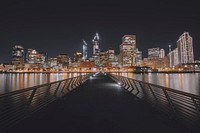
{"points": [[60, 26]]}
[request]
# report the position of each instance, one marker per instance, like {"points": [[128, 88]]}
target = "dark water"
{"points": [[187, 82], [11, 82]]}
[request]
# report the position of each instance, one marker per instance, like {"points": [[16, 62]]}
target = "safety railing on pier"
{"points": [[176, 105], [17, 105]]}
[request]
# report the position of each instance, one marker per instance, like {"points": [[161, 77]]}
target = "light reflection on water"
{"points": [[11, 81], [187, 82]]}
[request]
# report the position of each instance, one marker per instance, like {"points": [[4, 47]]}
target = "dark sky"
{"points": [[59, 26]]}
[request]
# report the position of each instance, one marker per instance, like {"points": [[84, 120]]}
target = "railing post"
{"points": [[136, 87], [57, 87], [74, 83], [126, 81], [131, 85], [170, 103], [68, 84], [196, 105], [31, 96], [145, 94], [123, 83], [49, 88], [153, 95], [64, 86]]}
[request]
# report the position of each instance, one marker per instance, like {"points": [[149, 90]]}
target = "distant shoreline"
{"points": [[105, 71]]}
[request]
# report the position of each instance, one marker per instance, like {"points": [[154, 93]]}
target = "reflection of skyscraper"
{"points": [[96, 44], [185, 48], [18, 54], [84, 50]]}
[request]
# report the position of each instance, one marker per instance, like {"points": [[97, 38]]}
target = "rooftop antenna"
{"points": [[170, 48]]}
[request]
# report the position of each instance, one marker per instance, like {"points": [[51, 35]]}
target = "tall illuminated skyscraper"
{"points": [[162, 53], [17, 55], [185, 49], [32, 56], [128, 50], [84, 50], [96, 44]]}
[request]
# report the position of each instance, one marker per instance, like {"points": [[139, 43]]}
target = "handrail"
{"points": [[177, 105], [19, 104], [167, 88]]}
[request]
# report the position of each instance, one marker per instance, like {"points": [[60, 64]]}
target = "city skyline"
{"points": [[60, 27], [85, 47]]}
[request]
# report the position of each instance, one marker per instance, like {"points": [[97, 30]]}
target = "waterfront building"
{"points": [[154, 63], [63, 60], [103, 58], [153, 53], [138, 58], [32, 56], [36, 58], [77, 57], [42, 58], [128, 51], [173, 58], [84, 50], [185, 49], [17, 55], [162, 53], [52, 62], [111, 55]]}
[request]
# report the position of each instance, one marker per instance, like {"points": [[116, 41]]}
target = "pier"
{"points": [[98, 103]]}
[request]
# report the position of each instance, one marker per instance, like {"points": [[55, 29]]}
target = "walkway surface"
{"points": [[99, 105]]}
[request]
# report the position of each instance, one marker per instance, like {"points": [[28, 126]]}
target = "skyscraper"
{"points": [[153, 53], [96, 44], [17, 55], [32, 56], [84, 50], [162, 53], [129, 39], [128, 50], [138, 57], [185, 49]]}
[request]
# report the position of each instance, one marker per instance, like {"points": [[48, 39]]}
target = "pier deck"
{"points": [[99, 105]]}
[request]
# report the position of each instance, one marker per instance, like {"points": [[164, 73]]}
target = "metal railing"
{"points": [[176, 105], [17, 105]]}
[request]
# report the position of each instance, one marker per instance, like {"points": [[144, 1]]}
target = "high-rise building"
{"points": [[17, 55], [32, 56], [84, 50], [96, 44], [112, 58], [128, 50], [42, 57], [138, 57], [185, 49], [103, 59], [52, 62], [162, 53], [129, 39], [173, 58], [153, 53], [111, 54], [77, 57]]}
